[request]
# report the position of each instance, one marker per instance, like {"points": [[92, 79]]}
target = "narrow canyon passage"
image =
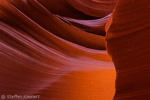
{"points": [[74, 49]]}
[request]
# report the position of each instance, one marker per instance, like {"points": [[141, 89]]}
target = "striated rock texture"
{"points": [[95, 26], [97, 8], [52, 49], [57, 49], [128, 42]]}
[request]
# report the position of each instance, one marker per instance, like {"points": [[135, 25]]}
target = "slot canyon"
{"points": [[74, 50]]}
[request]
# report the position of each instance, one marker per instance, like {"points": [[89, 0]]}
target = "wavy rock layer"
{"points": [[95, 26], [128, 42], [97, 8], [41, 54]]}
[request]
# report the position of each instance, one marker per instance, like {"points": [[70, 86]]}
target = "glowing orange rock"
{"points": [[42, 55]]}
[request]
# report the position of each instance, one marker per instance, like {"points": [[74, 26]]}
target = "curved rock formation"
{"points": [[128, 42], [95, 26], [42, 55], [63, 8], [97, 8]]}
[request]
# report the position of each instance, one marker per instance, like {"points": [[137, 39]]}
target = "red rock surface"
{"points": [[97, 8], [41, 54], [128, 42], [95, 26], [58, 49]]}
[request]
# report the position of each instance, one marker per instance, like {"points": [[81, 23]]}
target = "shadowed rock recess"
{"points": [[128, 42], [74, 49]]}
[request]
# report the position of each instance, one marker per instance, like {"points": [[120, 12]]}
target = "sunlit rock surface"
{"points": [[53, 49], [57, 49]]}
